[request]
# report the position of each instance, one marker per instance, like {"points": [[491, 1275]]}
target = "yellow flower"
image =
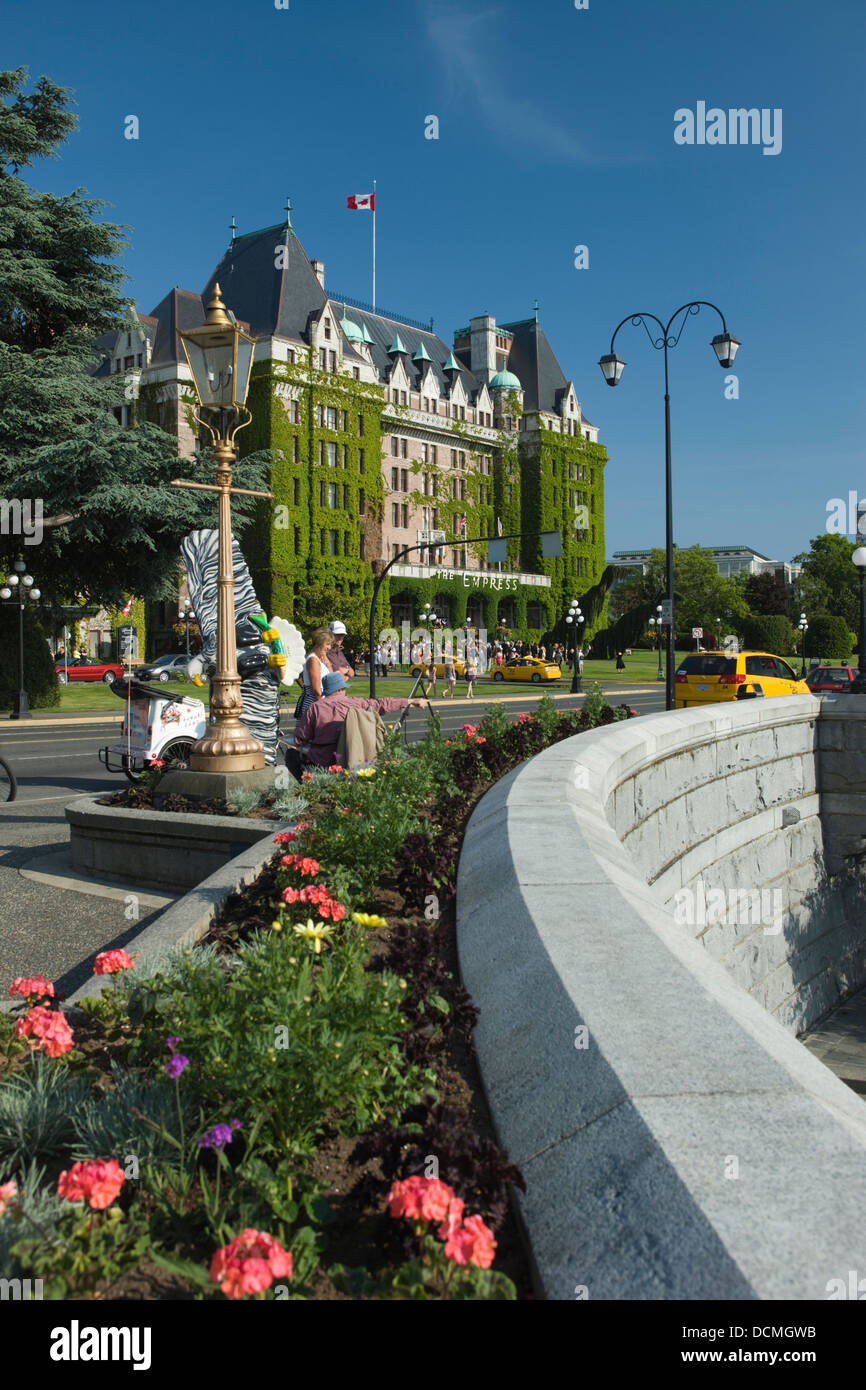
{"points": [[276, 926], [365, 772], [316, 932], [368, 919]]}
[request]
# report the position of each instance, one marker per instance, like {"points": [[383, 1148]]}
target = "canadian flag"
{"points": [[362, 202], [125, 612]]}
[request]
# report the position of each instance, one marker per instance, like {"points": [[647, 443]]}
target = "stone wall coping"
{"points": [[629, 1143]]}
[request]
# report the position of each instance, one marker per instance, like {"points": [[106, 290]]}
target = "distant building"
{"points": [[384, 436], [730, 561]]}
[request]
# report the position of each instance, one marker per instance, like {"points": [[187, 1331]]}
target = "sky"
{"points": [[556, 130]]}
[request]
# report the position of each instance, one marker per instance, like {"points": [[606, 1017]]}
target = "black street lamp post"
{"points": [[656, 625], [802, 628], [859, 558], [725, 348], [575, 620], [20, 587], [187, 616]]}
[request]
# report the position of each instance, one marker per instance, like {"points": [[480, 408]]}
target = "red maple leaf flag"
{"points": [[362, 202], [127, 608]]}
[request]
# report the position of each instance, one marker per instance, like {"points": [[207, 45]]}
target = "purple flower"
{"points": [[171, 1043], [219, 1136], [175, 1065]]}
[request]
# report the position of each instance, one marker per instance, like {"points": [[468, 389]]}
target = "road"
{"points": [[52, 922]]}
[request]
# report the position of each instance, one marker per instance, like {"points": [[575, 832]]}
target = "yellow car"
{"points": [[705, 677], [459, 668], [527, 668]]}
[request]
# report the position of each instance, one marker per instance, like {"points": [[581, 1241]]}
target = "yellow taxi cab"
{"points": [[527, 668], [704, 677], [459, 668]]}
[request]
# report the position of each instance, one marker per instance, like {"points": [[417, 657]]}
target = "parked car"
{"points": [[165, 668], [825, 678], [704, 677], [84, 668], [527, 668]]}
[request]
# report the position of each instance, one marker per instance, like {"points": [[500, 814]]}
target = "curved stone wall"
{"points": [[676, 1139]]}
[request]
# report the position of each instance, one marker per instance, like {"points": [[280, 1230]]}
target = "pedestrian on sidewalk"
{"points": [[431, 675], [450, 677], [620, 664], [471, 673]]}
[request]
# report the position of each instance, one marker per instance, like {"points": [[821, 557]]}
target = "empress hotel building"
{"points": [[383, 436]]}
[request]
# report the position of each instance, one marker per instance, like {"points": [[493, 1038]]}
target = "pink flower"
{"points": [[48, 1028], [112, 962], [97, 1181], [31, 987], [472, 1243], [452, 1220], [250, 1263], [302, 864], [156, 762], [7, 1192], [306, 776], [421, 1199]]}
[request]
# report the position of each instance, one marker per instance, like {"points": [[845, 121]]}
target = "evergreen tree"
{"points": [[60, 289]]}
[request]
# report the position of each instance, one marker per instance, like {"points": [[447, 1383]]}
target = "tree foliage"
{"points": [[60, 289], [828, 581]]}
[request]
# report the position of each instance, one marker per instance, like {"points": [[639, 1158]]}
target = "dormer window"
{"points": [[327, 328]]}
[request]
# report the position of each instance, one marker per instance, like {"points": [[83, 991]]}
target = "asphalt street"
{"points": [[53, 922]]}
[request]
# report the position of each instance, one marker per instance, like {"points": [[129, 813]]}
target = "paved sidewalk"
{"points": [[839, 1041]]}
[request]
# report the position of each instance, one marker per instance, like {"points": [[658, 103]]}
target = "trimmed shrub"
{"points": [[40, 681]]}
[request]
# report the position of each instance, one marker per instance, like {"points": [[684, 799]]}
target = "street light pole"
{"points": [[859, 558], [725, 348], [20, 584], [660, 675], [575, 617], [802, 628]]}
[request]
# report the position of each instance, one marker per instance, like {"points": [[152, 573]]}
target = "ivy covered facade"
{"points": [[383, 436]]}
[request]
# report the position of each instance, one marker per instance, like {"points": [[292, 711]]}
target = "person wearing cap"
{"points": [[335, 654], [317, 732]]}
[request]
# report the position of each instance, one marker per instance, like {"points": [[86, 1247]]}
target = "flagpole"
{"points": [[374, 246]]}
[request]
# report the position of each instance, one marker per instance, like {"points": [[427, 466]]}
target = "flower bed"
{"points": [[291, 1110]]}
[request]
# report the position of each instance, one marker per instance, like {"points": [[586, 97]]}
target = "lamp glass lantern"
{"points": [[220, 357], [612, 367], [725, 347]]}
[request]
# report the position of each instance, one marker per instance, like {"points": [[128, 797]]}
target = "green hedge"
{"points": [[829, 638], [40, 682], [769, 632]]}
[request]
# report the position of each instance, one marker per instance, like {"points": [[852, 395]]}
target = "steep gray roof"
{"points": [[532, 360], [275, 302], [179, 310], [382, 331]]}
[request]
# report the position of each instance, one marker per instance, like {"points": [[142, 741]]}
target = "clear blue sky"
{"points": [[556, 129]]}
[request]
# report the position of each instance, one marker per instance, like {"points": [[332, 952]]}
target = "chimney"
{"points": [[483, 347], [319, 268]]}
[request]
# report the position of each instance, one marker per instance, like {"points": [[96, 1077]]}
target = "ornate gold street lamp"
{"points": [[220, 357]]}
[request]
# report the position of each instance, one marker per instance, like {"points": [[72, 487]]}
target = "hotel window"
{"points": [[454, 488], [320, 415], [333, 357], [404, 448], [346, 496], [405, 515], [508, 492], [290, 356], [395, 448], [453, 412], [334, 542], [462, 489], [435, 518], [327, 328], [323, 359], [425, 453], [404, 480], [331, 418], [345, 456], [321, 493], [508, 422], [296, 412], [362, 546], [356, 373], [360, 424], [345, 542], [138, 360], [322, 541], [425, 518], [296, 450], [395, 480], [433, 453], [395, 513], [296, 491], [333, 498], [360, 460], [462, 459], [362, 502], [332, 454], [345, 422], [453, 458]]}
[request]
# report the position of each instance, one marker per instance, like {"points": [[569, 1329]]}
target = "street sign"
{"points": [[667, 610], [551, 545], [497, 552], [697, 632]]}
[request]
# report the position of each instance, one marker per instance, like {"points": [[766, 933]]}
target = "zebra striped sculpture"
{"points": [[260, 660]]}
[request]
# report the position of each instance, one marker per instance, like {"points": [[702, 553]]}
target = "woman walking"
{"points": [[471, 673], [450, 677], [431, 674], [316, 667]]}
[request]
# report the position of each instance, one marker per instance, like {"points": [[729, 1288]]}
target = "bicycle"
{"points": [[8, 784]]}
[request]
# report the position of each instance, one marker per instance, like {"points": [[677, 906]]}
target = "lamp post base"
{"points": [[227, 747], [21, 706], [209, 786]]}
